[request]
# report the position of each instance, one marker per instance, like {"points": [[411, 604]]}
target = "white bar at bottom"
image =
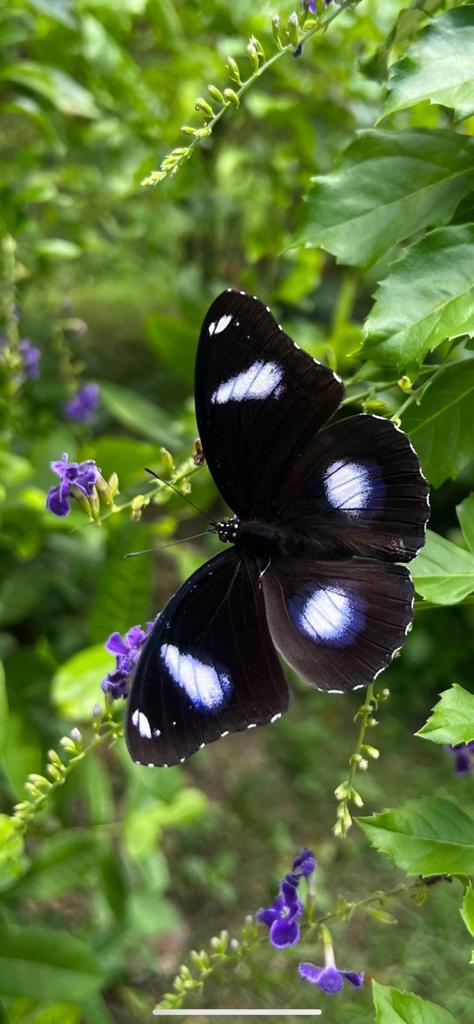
{"points": [[237, 1013]]}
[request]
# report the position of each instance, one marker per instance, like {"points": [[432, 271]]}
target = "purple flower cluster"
{"points": [[463, 754], [31, 356], [75, 479], [281, 918], [127, 650], [83, 404]]}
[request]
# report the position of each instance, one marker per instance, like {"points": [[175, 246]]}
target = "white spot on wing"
{"points": [[260, 381], [349, 486], [206, 686], [222, 323], [141, 722], [326, 614]]}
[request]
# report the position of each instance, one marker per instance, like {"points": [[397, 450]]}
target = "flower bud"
{"points": [[215, 93], [233, 69], [232, 97], [294, 28], [204, 106]]}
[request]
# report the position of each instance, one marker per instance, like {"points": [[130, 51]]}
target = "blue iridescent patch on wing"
{"points": [[329, 615], [207, 686]]}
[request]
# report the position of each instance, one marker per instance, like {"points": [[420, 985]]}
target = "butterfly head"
{"points": [[227, 529]]}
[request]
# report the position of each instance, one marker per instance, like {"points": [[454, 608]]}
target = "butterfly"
{"points": [[322, 515]]}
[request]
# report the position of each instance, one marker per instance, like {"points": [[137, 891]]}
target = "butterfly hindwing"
{"points": [[208, 668], [337, 623], [359, 487], [259, 400]]}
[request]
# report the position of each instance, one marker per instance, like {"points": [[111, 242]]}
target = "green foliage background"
{"points": [[340, 192]]}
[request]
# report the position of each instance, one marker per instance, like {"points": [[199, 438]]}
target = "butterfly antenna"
{"points": [[176, 490], [147, 551]]}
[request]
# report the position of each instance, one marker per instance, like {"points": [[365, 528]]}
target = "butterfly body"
{"points": [[322, 514], [264, 540]]}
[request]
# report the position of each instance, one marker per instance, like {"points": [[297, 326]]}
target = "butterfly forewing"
{"points": [[209, 666], [360, 488], [259, 401], [337, 623]]}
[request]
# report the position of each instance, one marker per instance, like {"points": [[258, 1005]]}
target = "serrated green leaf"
{"points": [[431, 836], [76, 685], [395, 1007], [427, 298], [55, 85], [452, 720], [442, 425], [139, 414], [46, 964], [439, 66], [467, 909], [388, 186], [465, 514], [442, 571]]}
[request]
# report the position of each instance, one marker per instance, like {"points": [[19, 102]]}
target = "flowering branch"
{"points": [[295, 35], [225, 950], [345, 793], [40, 788]]}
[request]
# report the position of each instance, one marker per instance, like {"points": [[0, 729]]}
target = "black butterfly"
{"points": [[321, 518]]}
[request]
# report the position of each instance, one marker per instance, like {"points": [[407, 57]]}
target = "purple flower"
{"points": [[463, 756], [73, 477], [84, 403], [282, 916], [304, 865], [329, 979], [127, 650], [31, 356]]}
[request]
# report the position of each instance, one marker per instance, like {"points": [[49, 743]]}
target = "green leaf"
{"points": [[11, 851], [126, 455], [389, 186], [139, 414], [58, 10], [427, 298], [431, 836], [442, 571], [58, 249], [452, 720], [465, 514], [20, 752], [123, 585], [442, 425], [76, 685], [63, 862], [170, 338], [55, 85], [46, 964], [439, 66], [467, 909], [395, 1007]]}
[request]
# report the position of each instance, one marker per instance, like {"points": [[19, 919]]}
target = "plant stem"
{"points": [[173, 162]]}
